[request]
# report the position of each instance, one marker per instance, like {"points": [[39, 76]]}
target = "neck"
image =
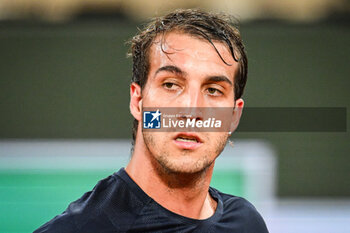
{"points": [[183, 193]]}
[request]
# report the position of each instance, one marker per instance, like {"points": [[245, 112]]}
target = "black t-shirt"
{"points": [[118, 204]]}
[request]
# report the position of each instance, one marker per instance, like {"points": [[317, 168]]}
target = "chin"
{"points": [[186, 164], [168, 158]]}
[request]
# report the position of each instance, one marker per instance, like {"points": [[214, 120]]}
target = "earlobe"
{"points": [[135, 101], [240, 103], [237, 113]]}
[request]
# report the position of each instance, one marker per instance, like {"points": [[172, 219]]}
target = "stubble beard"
{"points": [[165, 163]]}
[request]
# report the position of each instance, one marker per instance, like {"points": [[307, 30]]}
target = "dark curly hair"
{"points": [[203, 25]]}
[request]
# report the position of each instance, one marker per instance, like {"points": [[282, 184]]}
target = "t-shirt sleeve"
{"points": [[78, 212], [254, 221], [62, 223]]}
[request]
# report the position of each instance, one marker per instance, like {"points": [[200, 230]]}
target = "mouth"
{"points": [[183, 139], [188, 141]]}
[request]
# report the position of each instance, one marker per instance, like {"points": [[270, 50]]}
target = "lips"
{"points": [[188, 141]]}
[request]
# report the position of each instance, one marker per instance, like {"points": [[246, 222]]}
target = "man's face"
{"points": [[187, 72]]}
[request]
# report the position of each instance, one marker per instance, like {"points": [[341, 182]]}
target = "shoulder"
{"points": [[92, 210], [242, 212]]}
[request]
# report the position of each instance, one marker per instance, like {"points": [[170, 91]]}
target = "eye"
{"points": [[214, 92], [170, 86]]}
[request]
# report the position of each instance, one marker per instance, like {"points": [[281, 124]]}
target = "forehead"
{"points": [[187, 51]]}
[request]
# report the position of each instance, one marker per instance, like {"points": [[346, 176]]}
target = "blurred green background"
{"points": [[71, 81]]}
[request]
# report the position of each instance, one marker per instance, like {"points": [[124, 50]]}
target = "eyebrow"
{"points": [[219, 79], [172, 69], [178, 71]]}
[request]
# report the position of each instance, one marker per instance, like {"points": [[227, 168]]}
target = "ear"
{"points": [[237, 113], [135, 101]]}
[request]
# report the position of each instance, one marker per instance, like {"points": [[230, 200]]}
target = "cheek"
{"points": [[155, 140], [149, 95], [216, 142]]}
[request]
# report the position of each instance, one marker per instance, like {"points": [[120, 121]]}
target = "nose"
{"points": [[191, 104], [192, 98]]}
